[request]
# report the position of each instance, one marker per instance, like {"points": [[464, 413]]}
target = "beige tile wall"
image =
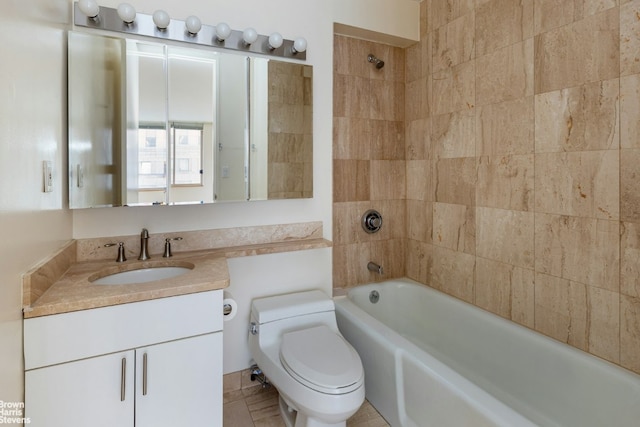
{"points": [[522, 124], [369, 167]]}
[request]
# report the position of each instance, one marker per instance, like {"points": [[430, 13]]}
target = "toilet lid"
{"points": [[322, 360]]}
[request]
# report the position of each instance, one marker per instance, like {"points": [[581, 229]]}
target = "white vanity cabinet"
{"points": [[184, 395], [152, 363], [82, 393]]}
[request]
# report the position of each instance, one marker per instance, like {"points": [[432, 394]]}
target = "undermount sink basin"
{"points": [[140, 275]]}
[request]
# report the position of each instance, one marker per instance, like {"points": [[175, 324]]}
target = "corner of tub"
{"points": [[340, 292]]}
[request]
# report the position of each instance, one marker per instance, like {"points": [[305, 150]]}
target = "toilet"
{"points": [[295, 341]]}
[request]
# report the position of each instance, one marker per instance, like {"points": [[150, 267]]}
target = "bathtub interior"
{"points": [[428, 398], [410, 388], [547, 382]]}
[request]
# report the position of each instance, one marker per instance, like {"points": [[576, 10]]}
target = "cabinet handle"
{"points": [[123, 379], [144, 374]]}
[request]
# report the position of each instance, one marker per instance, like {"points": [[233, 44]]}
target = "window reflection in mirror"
{"points": [[185, 161], [171, 99], [187, 154]]}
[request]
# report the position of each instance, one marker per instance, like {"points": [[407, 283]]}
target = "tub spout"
{"points": [[372, 266]]}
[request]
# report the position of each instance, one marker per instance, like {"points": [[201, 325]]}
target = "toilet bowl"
{"points": [[295, 341]]}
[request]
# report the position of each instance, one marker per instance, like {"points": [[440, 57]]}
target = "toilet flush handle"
{"points": [[253, 328]]}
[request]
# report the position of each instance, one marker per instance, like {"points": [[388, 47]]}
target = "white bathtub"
{"points": [[433, 360]]}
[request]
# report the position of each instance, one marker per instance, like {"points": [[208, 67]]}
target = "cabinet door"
{"points": [[179, 383], [97, 392]]}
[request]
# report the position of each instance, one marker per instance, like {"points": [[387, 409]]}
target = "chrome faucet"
{"points": [[144, 240], [372, 266]]}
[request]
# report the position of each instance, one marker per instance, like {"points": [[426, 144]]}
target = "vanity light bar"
{"points": [[143, 25]]}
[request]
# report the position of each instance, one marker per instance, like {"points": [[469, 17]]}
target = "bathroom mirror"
{"points": [[155, 123]]}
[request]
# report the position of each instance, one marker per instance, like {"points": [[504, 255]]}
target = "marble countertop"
{"points": [[60, 284], [74, 290]]}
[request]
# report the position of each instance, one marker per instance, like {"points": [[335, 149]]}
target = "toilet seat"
{"points": [[321, 360]]}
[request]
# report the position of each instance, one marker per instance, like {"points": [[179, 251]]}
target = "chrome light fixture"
{"points": [[125, 19]]}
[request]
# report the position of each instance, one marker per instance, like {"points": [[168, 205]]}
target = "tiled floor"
{"points": [[247, 404]]}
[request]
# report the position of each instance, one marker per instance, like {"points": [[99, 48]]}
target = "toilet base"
{"points": [[293, 418], [287, 413]]}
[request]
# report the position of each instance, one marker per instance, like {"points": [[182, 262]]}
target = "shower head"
{"points": [[379, 63]]}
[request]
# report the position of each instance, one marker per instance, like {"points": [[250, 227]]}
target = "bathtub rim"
{"points": [[619, 370]]}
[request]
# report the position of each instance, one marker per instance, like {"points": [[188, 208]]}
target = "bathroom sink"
{"points": [[140, 275]]}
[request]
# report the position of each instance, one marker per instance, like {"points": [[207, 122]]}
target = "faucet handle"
{"points": [[167, 246], [121, 257]]}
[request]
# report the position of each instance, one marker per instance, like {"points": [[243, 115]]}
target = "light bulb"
{"points": [[249, 35], [161, 19], [299, 45], [89, 8], [193, 24], [126, 12], [222, 31], [275, 40]]}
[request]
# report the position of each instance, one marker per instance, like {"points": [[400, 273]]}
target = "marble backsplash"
{"points": [[94, 248]]}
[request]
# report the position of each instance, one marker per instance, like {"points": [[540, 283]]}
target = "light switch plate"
{"points": [[47, 176]]}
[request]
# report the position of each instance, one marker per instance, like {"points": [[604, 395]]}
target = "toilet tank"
{"points": [[280, 307]]}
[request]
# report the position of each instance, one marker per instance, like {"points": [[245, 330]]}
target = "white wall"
{"points": [[255, 277], [33, 128]]}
